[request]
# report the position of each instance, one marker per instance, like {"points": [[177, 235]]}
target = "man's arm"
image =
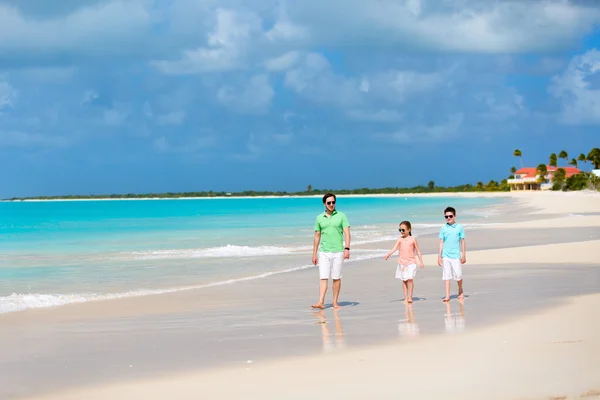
{"points": [[440, 248], [347, 241], [316, 241], [463, 251]]}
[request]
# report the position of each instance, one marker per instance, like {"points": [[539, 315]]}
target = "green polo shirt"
{"points": [[332, 231]]}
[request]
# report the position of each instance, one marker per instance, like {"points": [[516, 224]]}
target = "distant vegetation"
{"points": [[583, 180], [492, 186]]}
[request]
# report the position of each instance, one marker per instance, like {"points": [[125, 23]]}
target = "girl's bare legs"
{"points": [[405, 289], [410, 284]]}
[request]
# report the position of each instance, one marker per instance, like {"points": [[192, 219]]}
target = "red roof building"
{"points": [[528, 178]]}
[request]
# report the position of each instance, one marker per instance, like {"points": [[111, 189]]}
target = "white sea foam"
{"points": [[21, 302], [218, 252]]}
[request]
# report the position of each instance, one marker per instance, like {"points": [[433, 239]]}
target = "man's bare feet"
{"points": [[336, 306], [318, 305], [446, 299]]}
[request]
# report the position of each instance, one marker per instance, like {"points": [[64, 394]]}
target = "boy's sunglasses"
{"points": [[330, 203], [448, 216], [402, 230]]}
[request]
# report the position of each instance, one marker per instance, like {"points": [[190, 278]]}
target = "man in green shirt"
{"points": [[332, 232]]}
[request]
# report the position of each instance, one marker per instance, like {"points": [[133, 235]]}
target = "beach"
{"points": [[525, 330]]}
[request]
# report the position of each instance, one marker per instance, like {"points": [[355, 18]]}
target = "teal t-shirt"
{"points": [[332, 231], [451, 235]]}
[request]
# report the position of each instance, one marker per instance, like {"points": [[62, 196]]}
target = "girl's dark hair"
{"points": [[407, 224]]}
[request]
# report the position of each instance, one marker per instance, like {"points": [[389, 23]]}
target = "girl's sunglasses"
{"points": [[402, 230]]}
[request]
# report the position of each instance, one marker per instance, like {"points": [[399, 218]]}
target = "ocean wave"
{"points": [[21, 302], [218, 252]]}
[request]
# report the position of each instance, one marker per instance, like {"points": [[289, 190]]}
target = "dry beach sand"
{"points": [[527, 329]]}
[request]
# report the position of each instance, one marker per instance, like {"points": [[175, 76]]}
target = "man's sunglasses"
{"points": [[448, 216], [330, 203]]}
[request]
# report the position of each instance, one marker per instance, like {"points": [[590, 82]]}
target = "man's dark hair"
{"points": [[328, 195], [450, 209]]}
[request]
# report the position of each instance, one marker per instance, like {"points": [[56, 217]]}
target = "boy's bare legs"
{"points": [[410, 283], [460, 290], [322, 291], [337, 285], [447, 283]]}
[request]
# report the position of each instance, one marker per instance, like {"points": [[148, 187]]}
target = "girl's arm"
{"points": [[419, 253], [392, 250]]}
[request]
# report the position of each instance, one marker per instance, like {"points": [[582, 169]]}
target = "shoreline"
{"points": [[473, 194], [412, 194]]}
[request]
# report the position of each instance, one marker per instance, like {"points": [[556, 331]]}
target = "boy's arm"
{"points": [[440, 248], [419, 253], [463, 251], [392, 250]]}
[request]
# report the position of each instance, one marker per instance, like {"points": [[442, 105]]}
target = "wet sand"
{"points": [[266, 328]]}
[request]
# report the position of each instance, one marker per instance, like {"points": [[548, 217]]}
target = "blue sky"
{"points": [[120, 96]]}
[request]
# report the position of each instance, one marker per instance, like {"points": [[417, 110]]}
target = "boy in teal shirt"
{"points": [[452, 252]]}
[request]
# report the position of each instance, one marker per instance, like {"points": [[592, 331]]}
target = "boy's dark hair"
{"points": [[450, 209], [328, 195], [407, 224]]}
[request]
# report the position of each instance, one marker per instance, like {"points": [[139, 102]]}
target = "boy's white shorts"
{"points": [[330, 265], [406, 272], [451, 269]]}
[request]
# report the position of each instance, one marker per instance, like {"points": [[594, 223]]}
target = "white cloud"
{"points": [[492, 26], [282, 138], [418, 133], [18, 139], [106, 27], [578, 88], [226, 45], [89, 96], [314, 79], [283, 62], [172, 118], [114, 116], [501, 105], [7, 95], [383, 115], [254, 97], [197, 144]]}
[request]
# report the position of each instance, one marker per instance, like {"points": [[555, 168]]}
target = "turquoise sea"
{"points": [[59, 252]]}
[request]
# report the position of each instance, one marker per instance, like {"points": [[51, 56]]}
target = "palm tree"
{"points": [[582, 158], [309, 188], [541, 170], [517, 153], [564, 154], [553, 161], [573, 162], [558, 179], [513, 169], [594, 157]]}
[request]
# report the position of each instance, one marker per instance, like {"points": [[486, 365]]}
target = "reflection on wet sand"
{"points": [[455, 322], [326, 335], [408, 326]]}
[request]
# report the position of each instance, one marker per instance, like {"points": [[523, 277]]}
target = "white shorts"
{"points": [[451, 269], [406, 272], [330, 265]]}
